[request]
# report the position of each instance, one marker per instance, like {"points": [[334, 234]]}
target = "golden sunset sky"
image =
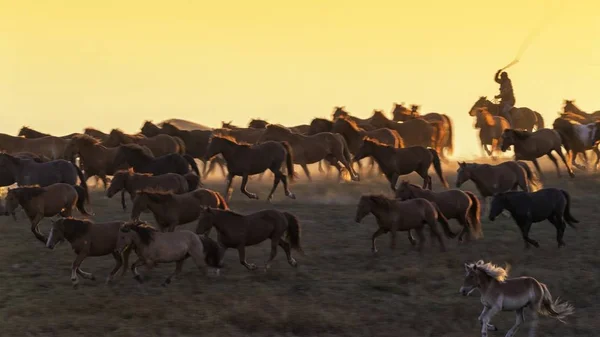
{"points": [[66, 65]]}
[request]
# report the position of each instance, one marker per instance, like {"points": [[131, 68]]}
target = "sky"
{"points": [[66, 65]]}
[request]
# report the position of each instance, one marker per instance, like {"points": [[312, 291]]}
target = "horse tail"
{"points": [[289, 160], [474, 215], [83, 184], [293, 232], [222, 203], [441, 218], [450, 136], [539, 123], [81, 198], [437, 165], [554, 308], [531, 177], [568, 216], [192, 163]]}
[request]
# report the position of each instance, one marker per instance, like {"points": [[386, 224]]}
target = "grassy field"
{"points": [[339, 288]]}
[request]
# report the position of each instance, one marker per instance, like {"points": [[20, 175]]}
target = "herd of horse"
{"points": [[157, 168]]}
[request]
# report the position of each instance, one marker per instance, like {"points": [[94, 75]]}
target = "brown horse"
{"points": [[28, 132], [463, 206], [89, 239], [522, 118], [441, 122], [311, 149], [500, 293], [532, 145], [415, 132], [238, 231], [136, 157], [490, 130], [101, 136], [571, 109], [245, 160], [397, 162], [130, 181], [6, 176], [579, 139], [51, 147], [41, 202], [340, 111], [493, 179], [242, 135], [262, 124], [395, 215], [354, 135], [160, 145], [153, 247], [97, 159], [171, 210]]}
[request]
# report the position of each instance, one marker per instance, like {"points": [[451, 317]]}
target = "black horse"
{"points": [[550, 204], [141, 162]]}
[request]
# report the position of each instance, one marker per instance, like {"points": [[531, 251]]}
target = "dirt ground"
{"points": [[339, 288]]}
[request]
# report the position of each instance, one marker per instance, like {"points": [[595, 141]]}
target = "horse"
{"points": [[311, 149], [493, 179], [89, 239], [463, 206], [318, 125], [579, 138], [490, 130], [50, 146], [143, 163], [97, 159], [354, 134], [40, 202], [30, 133], [238, 231], [415, 132], [500, 293], [160, 145], [171, 210], [262, 124], [550, 204], [441, 122], [340, 111], [153, 247], [101, 136], [532, 145], [245, 160], [130, 181], [30, 172], [395, 215], [522, 118], [397, 162], [6, 176], [196, 143], [242, 135], [570, 108]]}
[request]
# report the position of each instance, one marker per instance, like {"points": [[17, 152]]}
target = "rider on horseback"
{"points": [[506, 96]]}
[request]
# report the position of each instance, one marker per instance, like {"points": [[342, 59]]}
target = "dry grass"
{"points": [[339, 289]]}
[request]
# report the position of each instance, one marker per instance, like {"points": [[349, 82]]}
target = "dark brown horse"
{"points": [[143, 163], [490, 130], [89, 239], [532, 145], [415, 132], [262, 124], [238, 231], [160, 145], [101, 136], [397, 162], [50, 146], [340, 111], [522, 118], [6, 176], [41, 202], [441, 122], [245, 160], [28, 132]]}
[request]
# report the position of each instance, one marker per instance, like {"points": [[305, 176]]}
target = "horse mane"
{"points": [[229, 139], [156, 195], [87, 139], [26, 193], [497, 273], [74, 228], [278, 127], [130, 172], [381, 200], [352, 124], [143, 229], [375, 141], [379, 114], [135, 148], [521, 134]]}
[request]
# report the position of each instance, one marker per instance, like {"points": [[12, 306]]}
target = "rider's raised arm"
{"points": [[497, 76]]}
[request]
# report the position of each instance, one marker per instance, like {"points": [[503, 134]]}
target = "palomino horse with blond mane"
{"points": [[532, 145], [521, 118], [500, 293], [490, 130], [395, 162], [395, 215], [454, 204]]}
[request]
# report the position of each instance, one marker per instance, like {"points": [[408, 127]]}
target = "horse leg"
{"points": [[306, 171], [228, 189], [288, 252], [486, 317], [518, 323], [433, 230], [35, 229], [411, 239], [118, 263], [125, 255], [393, 179], [559, 223], [426, 179], [525, 226], [377, 233], [534, 322], [480, 319], [421, 238], [178, 266], [284, 180], [494, 148], [393, 231], [274, 244], [242, 254], [134, 270], [555, 163], [489, 152], [80, 257], [537, 168], [562, 157], [243, 187], [276, 180], [597, 152], [87, 276]]}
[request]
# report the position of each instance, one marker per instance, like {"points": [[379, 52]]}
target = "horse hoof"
{"points": [[93, 278], [293, 263], [291, 196]]}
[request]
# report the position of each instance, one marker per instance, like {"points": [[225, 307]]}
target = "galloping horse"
{"points": [[522, 118]]}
